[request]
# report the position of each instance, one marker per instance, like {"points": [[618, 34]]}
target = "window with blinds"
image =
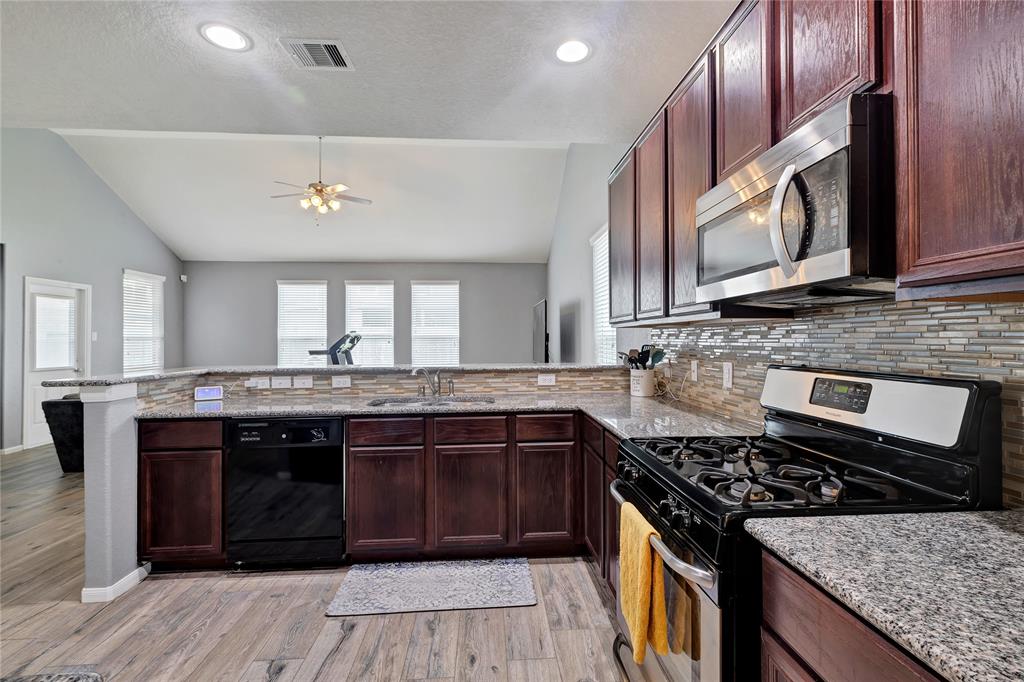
{"points": [[56, 332], [435, 323], [370, 312], [301, 322], [604, 332], [143, 326]]}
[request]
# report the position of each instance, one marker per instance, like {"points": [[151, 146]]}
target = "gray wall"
{"points": [[232, 307], [582, 210], [61, 221]]}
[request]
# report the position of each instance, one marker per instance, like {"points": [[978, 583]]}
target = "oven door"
{"points": [[694, 619], [789, 229]]}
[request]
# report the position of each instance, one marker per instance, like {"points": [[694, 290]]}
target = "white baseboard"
{"points": [[112, 592], [11, 450]]}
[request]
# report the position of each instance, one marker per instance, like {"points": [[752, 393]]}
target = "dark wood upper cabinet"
{"points": [[180, 505], [825, 51], [958, 71], [544, 496], [386, 507], [689, 176], [470, 495], [651, 221], [622, 241], [743, 112]]}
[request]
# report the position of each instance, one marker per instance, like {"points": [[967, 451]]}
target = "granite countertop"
{"points": [[326, 370], [625, 416], [947, 587]]}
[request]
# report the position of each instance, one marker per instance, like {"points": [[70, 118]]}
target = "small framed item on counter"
{"points": [[209, 393]]}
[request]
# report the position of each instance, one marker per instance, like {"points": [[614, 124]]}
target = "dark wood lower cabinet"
{"points": [[385, 509], [593, 504], [778, 665], [611, 534], [544, 496], [470, 495], [180, 504]]}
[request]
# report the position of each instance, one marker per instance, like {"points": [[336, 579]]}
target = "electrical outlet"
{"points": [[302, 382], [727, 375], [545, 379], [260, 382], [693, 370], [666, 370], [341, 382], [280, 382]]}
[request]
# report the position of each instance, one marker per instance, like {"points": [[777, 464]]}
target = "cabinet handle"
{"points": [[775, 223]]}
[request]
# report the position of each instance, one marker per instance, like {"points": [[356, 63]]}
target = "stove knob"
{"points": [[628, 473], [680, 520], [665, 508]]}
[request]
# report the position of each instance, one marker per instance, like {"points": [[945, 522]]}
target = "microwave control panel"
{"points": [[849, 396]]}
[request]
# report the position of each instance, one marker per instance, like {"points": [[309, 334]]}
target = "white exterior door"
{"points": [[57, 345]]}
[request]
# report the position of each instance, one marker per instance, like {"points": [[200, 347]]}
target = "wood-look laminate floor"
{"points": [[261, 626]]}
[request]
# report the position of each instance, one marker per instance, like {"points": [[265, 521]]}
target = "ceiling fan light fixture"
{"points": [[322, 208], [316, 200], [305, 203], [334, 204]]}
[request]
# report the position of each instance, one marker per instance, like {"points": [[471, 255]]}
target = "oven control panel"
{"points": [[850, 396]]}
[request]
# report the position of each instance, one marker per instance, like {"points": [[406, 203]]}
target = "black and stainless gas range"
{"points": [[834, 442]]}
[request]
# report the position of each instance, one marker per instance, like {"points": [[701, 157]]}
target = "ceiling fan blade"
{"points": [[358, 200], [337, 188], [282, 196], [289, 184]]}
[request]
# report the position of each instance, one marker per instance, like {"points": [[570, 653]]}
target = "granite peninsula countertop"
{"points": [[326, 370], [947, 587], [625, 416]]}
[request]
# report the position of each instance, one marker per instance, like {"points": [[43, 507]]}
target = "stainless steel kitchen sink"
{"points": [[430, 400]]}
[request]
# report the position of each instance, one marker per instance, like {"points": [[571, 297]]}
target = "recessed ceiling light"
{"points": [[224, 36], [572, 51]]}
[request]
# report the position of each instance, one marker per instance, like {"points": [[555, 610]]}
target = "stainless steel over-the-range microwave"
{"points": [[808, 222]]}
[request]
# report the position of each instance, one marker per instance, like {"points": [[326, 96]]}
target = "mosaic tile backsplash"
{"points": [[969, 340]]}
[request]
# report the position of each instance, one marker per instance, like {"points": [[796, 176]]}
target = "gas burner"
{"points": [[675, 453], [754, 492], [756, 450], [824, 487]]}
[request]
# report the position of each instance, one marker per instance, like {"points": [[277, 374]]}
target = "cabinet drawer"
{"points": [[180, 435], [405, 431], [593, 435], [833, 642], [545, 427], [470, 429], [611, 449]]}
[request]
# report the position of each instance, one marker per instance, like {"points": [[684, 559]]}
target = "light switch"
{"points": [[727, 375], [95, 336], [545, 379], [261, 382], [341, 382], [280, 382], [302, 382]]}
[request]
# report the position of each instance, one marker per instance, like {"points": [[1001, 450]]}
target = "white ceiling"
{"points": [[207, 195], [431, 69]]}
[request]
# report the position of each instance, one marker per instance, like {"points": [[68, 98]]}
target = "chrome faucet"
{"points": [[434, 382]]}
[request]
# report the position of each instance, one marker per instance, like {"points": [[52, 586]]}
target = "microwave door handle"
{"points": [[683, 569], [775, 223]]}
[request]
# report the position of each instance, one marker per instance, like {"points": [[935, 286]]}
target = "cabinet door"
{"points": [[622, 241], [611, 534], [544, 493], [385, 498], [689, 176], [960, 132], [593, 504], [742, 91], [778, 665], [181, 502], [470, 495], [651, 223], [825, 50]]}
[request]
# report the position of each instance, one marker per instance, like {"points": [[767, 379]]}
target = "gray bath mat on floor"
{"points": [[433, 586]]}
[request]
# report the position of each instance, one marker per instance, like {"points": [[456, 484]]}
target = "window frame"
{"points": [[159, 330], [350, 328], [458, 311], [314, 360], [601, 330]]}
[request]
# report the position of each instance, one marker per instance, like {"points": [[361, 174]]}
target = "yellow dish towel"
{"points": [[641, 584]]}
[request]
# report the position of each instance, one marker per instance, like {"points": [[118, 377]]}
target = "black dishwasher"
{"points": [[285, 491]]}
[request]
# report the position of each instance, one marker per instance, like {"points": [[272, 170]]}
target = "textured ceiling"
{"points": [[207, 195], [432, 69]]}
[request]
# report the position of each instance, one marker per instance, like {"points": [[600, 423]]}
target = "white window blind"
{"points": [[56, 332], [301, 322], [604, 332], [435, 323], [143, 330], [370, 312]]}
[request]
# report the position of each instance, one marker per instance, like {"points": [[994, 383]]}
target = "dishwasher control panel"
{"points": [[291, 433]]}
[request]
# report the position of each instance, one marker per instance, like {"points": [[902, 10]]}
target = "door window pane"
{"points": [[56, 332]]}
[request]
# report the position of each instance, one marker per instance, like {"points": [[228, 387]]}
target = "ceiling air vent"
{"points": [[316, 53]]}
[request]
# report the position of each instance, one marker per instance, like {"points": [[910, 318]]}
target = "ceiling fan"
{"points": [[318, 196]]}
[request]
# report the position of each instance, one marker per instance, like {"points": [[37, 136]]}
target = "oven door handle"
{"points": [[778, 237], [683, 569]]}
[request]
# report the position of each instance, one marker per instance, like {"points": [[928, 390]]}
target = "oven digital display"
{"points": [[850, 396]]}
